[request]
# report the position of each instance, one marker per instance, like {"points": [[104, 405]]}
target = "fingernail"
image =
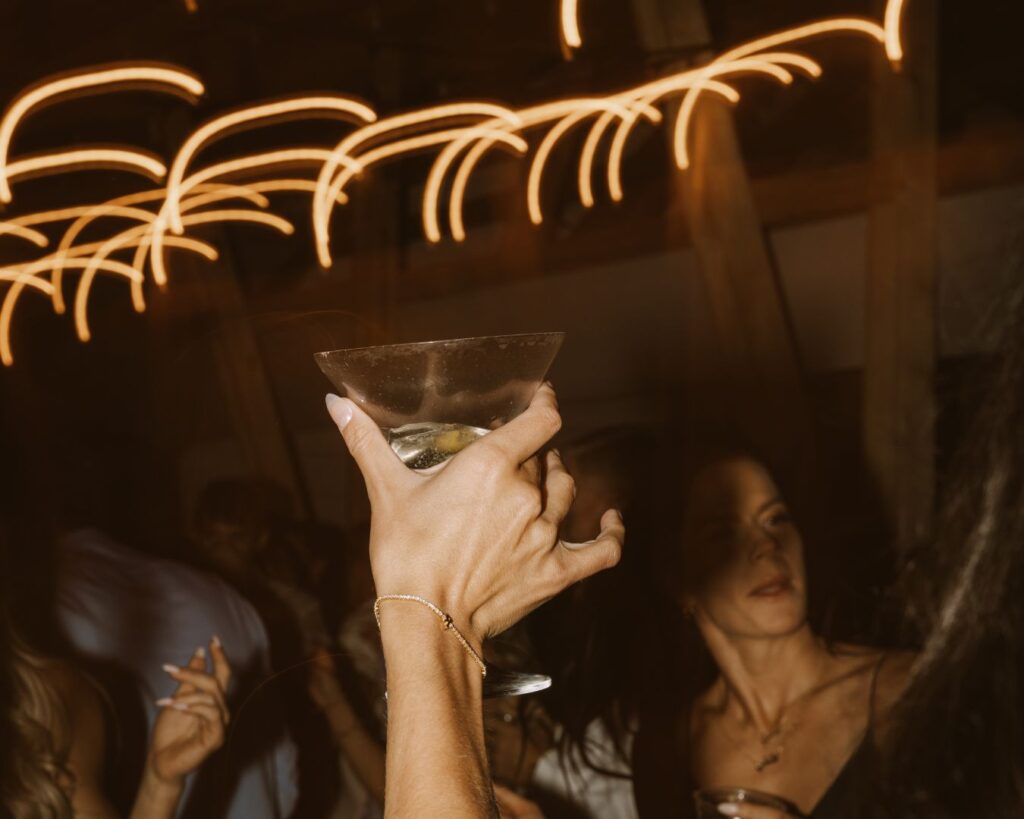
{"points": [[216, 641], [201, 652], [164, 701], [180, 706], [556, 452], [339, 409], [171, 669], [729, 809]]}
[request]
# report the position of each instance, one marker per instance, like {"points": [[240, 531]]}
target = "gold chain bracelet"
{"points": [[446, 622]]}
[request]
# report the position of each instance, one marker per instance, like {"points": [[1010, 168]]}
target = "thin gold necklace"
{"points": [[769, 756]]}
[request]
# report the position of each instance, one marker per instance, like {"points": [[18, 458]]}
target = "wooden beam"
{"points": [[247, 385], [716, 200], [899, 367]]}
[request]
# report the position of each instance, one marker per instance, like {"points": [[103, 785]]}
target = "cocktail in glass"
{"points": [[434, 398]]}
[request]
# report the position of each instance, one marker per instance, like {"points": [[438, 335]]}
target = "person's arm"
{"points": [[364, 753], [188, 730], [478, 537]]}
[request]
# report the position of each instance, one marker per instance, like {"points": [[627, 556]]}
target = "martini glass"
{"points": [[432, 399]]}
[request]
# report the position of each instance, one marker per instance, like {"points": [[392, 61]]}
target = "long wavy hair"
{"points": [[34, 724], [958, 746]]}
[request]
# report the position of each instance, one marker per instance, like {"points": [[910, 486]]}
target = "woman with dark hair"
{"points": [[773, 707]]}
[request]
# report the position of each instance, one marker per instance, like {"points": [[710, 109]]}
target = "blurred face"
{"points": [[743, 554]]}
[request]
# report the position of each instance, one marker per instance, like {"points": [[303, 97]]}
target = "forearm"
{"points": [[436, 762], [156, 799], [365, 754]]}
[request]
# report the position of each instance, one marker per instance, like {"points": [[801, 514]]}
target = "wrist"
{"points": [[155, 788], [414, 637]]}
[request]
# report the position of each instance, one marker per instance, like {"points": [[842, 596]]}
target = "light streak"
{"points": [[25, 274], [328, 187], [530, 118], [88, 158], [463, 132], [853, 25], [163, 79], [254, 162], [584, 108], [220, 126], [893, 41], [438, 171], [570, 24], [22, 232], [122, 208], [617, 148]]}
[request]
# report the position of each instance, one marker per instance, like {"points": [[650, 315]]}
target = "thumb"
{"points": [[365, 443]]}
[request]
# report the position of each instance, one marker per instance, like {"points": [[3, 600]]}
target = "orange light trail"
{"points": [[88, 158], [22, 232], [852, 25], [328, 187], [164, 79], [464, 132], [122, 208], [255, 162], [137, 236], [219, 127], [893, 22], [570, 24]]}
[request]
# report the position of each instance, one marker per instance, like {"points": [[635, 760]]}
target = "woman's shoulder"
{"points": [[884, 675], [79, 698]]}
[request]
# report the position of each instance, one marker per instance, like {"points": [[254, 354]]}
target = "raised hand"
{"points": [[193, 720], [477, 535]]}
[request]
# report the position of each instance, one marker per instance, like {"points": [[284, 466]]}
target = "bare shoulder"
{"points": [[84, 712], [694, 722], [893, 678]]}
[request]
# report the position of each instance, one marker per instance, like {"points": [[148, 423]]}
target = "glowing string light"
{"points": [[22, 232], [163, 78], [465, 132], [26, 273], [893, 21], [122, 208], [88, 158], [254, 162], [570, 24], [702, 79], [328, 187], [82, 256], [247, 117], [617, 147], [854, 25], [530, 118]]}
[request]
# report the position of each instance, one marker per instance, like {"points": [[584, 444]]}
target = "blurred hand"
{"points": [[323, 685], [513, 806], [192, 721], [478, 534], [515, 741]]}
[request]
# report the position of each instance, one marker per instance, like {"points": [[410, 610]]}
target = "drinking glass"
{"points": [[432, 399], [708, 800]]}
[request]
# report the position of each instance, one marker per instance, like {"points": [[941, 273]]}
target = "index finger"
{"points": [[525, 434], [197, 662], [221, 666]]}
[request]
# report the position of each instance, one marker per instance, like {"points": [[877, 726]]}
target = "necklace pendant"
{"points": [[771, 759]]}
